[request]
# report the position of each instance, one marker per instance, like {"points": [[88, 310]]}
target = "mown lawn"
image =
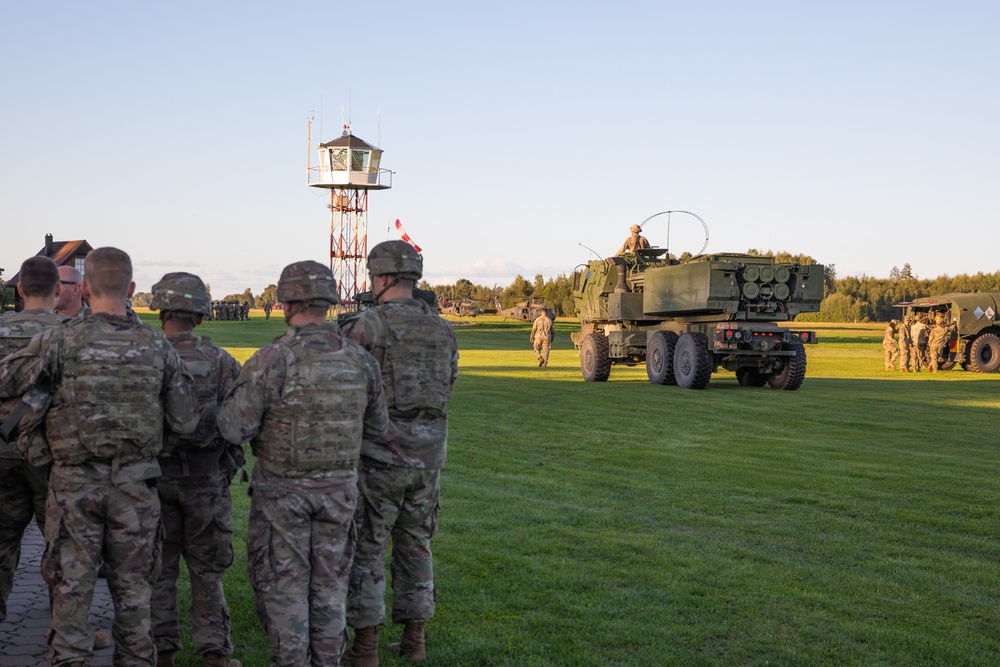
{"points": [[852, 522]]}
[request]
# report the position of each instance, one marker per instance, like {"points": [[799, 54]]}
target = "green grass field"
{"points": [[852, 522]]}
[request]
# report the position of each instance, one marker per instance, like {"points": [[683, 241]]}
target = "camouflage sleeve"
{"points": [[229, 372], [453, 342], [377, 413], [29, 366], [366, 330], [242, 411], [180, 404]]}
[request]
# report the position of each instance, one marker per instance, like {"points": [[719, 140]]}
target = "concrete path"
{"points": [[22, 634]]}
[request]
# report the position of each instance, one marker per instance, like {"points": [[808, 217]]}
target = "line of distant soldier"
{"points": [[226, 311]]}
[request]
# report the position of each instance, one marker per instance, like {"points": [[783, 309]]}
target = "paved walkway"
{"points": [[22, 634]]}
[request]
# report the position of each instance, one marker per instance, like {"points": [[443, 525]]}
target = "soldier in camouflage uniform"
{"points": [[304, 403], [541, 337], [890, 345], [918, 344], [114, 384], [903, 342], [267, 310], [196, 508], [400, 473], [23, 485], [70, 301], [937, 342], [633, 242]]}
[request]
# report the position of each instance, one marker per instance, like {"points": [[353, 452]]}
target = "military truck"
{"points": [[975, 340], [685, 320]]}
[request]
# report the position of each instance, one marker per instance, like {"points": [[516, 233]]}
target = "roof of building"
{"points": [[349, 141], [62, 254]]}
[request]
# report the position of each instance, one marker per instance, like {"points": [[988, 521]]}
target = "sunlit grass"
{"points": [[852, 522]]}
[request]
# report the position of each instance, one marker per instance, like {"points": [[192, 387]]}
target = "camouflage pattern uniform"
{"points": [[542, 334], [633, 242], [115, 384], [904, 345], [400, 473], [23, 486], [937, 343], [890, 346], [304, 402], [267, 310], [918, 344], [196, 507]]}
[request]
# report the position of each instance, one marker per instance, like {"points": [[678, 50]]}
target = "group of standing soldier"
{"points": [[912, 344], [128, 440], [227, 311]]}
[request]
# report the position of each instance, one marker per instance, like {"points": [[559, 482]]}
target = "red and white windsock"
{"points": [[406, 237]]}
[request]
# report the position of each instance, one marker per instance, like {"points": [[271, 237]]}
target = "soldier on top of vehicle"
{"points": [[633, 242]]}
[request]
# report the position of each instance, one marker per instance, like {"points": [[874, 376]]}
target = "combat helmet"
{"points": [[309, 282], [396, 258], [635, 229], [183, 292]]}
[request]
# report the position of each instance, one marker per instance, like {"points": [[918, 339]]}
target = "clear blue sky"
{"points": [[862, 133]]}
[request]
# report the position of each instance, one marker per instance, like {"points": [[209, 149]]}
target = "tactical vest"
{"points": [[108, 400], [416, 368], [317, 423], [16, 331], [203, 364]]}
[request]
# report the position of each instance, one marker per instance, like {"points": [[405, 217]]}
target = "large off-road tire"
{"points": [[594, 360], [660, 357], [946, 365], [792, 374], [692, 361], [750, 377], [984, 354]]}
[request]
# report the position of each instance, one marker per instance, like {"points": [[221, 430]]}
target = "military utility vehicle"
{"points": [[687, 319], [975, 340]]}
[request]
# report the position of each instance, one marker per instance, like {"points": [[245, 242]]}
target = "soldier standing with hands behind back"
{"points": [[304, 402], [400, 472], [114, 384]]}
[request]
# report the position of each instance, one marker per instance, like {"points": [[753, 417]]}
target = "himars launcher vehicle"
{"points": [[685, 320]]}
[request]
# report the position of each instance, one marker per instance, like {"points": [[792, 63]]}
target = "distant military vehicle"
{"points": [[366, 300], [526, 310], [461, 308], [975, 341], [684, 320]]}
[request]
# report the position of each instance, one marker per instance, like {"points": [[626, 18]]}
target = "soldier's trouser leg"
{"points": [[387, 494], [904, 358], [545, 353], [299, 549], [915, 356], [412, 563], [15, 515], [85, 524], [197, 522]]}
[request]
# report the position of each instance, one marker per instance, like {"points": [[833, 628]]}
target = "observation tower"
{"points": [[349, 168]]}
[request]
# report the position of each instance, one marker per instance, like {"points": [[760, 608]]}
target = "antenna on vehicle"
{"points": [[667, 213], [590, 249]]}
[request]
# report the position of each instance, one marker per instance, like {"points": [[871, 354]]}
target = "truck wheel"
{"points": [[792, 374], [660, 357], [692, 361], [594, 360], [946, 365], [750, 377], [984, 354]]}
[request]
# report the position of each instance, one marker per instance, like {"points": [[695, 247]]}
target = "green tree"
{"points": [[269, 295], [141, 299]]}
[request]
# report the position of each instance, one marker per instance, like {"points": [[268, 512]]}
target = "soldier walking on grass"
{"points": [[196, 507], [400, 471], [542, 334], [890, 345], [114, 384], [304, 403]]}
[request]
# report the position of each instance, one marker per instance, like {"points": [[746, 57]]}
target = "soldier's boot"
{"points": [[165, 659], [364, 650], [220, 660], [411, 646]]}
